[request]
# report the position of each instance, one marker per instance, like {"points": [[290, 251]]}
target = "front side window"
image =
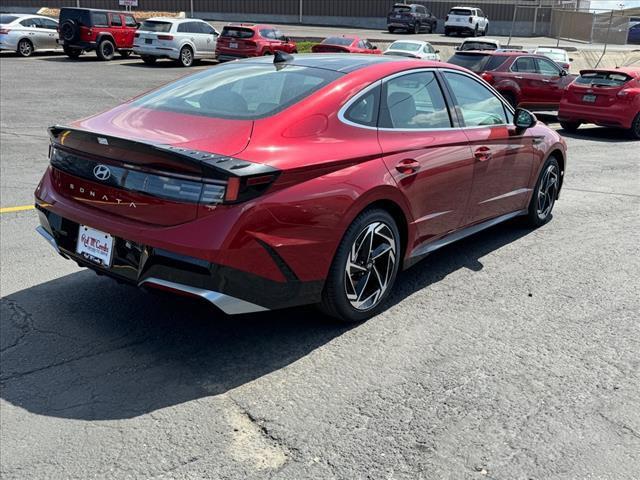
{"points": [[547, 67], [129, 21], [413, 101], [477, 104], [268, 33], [48, 24], [242, 91]]}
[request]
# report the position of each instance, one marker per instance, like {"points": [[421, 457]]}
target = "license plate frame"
{"points": [[589, 98], [95, 246], [148, 41], [233, 45]]}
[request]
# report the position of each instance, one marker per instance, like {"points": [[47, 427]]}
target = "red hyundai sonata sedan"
{"points": [[310, 179]]}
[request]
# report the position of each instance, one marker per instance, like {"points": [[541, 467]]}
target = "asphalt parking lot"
{"points": [[510, 355]]}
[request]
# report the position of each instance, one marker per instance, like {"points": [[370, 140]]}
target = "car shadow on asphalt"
{"points": [[84, 347], [599, 134]]}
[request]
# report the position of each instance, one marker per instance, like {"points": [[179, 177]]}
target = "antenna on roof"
{"points": [[282, 57]]}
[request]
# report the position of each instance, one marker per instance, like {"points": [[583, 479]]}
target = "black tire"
{"points": [[634, 131], [485, 31], [475, 31], [510, 98], [124, 53], [25, 48], [267, 53], [186, 56], [416, 28], [446, 32], [391, 29], [70, 31], [335, 301], [106, 50], [534, 216], [148, 60], [72, 53], [570, 126], [430, 28]]}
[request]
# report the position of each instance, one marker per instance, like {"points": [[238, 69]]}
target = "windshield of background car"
{"points": [[478, 46], [154, 26], [237, 32], [239, 91], [401, 9], [474, 62], [81, 17], [460, 11], [7, 18], [338, 41], [607, 79], [407, 46]]}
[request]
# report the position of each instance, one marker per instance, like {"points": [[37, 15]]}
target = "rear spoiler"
{"points": [[156, 156]]}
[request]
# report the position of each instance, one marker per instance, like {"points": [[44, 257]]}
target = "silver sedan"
{"points": [[184, 40], [25, 34]]}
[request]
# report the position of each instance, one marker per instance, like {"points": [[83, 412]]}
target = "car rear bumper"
{"points": [[459, 28], [7, 43], [401, 24], [226, 54], [232, 290], [616, 115], [160, 52]]}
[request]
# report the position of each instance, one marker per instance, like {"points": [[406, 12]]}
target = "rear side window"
{"points": [[525, 65], [365, 110], [607, 79], [116, 21], [242, 91], [237, 32], [268, 33], [473, 62], [413, 101], [477, 104], [189, 27], [494, 62], [29, 22], [153, 26], [99, 19]]}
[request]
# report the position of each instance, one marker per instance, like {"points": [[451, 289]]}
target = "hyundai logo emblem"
{"points": [[101, 172]]}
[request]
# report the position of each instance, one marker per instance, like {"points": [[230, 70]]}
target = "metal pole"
{"points": [[606, 41], [78, 3], [513, 22], [300, 13], [191, 2], [560, 29]]}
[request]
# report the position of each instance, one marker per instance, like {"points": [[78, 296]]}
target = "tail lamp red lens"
{"points": [[4, 31], [487, 77], [165, 37]]}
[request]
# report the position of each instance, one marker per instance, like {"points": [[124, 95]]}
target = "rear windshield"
{"points": [[607, 79], [154, 26], [401, 8], [474, 62], [494, 62], [7, 18], [237, 32], [406, 46], [460, 11], [472, 45], [239, 91], [338, 41], [81, 17]]}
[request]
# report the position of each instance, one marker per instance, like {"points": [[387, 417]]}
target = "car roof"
{"points": [[339, 62], [173, 19], [22, 16], [251, 26], [482, 40], [101, 10], [419, 42], [631, 71]]}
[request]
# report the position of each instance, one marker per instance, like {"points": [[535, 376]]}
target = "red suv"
{"points": [[248, 40], [105, 31], [607, 97], [524, 79], [314, 182]]}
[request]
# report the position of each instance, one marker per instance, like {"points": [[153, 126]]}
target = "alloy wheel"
{"points": [[547, 191], [186, 57], [370, 266], [25, 48]]}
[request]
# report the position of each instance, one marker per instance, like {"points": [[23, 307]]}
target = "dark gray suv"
{"points": [[412, 18]]}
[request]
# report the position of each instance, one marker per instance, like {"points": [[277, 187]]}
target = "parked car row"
{"points": [[25, 34]]}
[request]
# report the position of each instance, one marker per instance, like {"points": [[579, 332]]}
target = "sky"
{"points": [[613, 4]]}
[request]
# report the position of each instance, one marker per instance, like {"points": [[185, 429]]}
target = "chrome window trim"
{"points": [[364, 91]]}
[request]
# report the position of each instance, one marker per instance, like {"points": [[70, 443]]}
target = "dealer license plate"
{"points": [[95, 246], [589, 98], [233, 45]]}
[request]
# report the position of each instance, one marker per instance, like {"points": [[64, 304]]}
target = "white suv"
{"points": [[466, 20], [184, 40]]}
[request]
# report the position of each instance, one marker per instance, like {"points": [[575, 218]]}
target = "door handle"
{"points": [[483, 154], [519, 77], [408, 166]]}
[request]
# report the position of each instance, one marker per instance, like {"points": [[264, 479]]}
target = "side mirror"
{"points": [[524, 119], [374, 47], [457, 48], [570, 59], [563, 73], [287, 39], [138, 24], [437, 51]]}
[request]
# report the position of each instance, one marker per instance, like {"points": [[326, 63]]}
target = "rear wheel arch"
{"points": [[106, 36]]}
